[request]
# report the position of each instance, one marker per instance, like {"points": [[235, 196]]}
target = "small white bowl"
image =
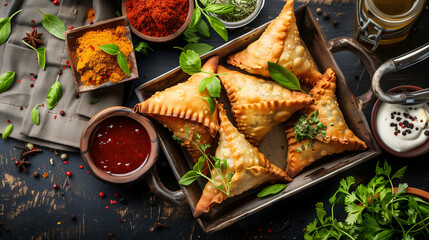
{"points": [[247, 20]]}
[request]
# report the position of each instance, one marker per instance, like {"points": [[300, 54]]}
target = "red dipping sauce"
{"points": [[120, 145]]}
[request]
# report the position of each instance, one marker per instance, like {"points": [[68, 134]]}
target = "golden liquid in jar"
{"points": [[393, 7]]}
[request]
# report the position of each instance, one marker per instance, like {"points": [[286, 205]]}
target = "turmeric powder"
{"points": [[97, 67]]}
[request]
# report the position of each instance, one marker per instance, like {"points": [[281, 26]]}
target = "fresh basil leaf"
{"points": [[94, 101], [190, 35], [190, 62], [200, 164], [54, 94], [203, 29], [35, 115], [212, 104], [123, 63], [204, 2], [111, 49], [199, 48], [143, 47], [203, 84], [189, 178], [5, 27], [53, 25], [228, 177], [7, 131], [118, 13], [284, 77], [6, 80], [196, 17], [273, 189], [219, 8], [218, 26], [41, 55], [213, 86]]}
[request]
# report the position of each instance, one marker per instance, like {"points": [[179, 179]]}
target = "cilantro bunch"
{"points": [[309, 128], [374, 211]]}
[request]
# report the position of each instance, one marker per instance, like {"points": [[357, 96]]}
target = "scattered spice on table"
{"points": [[97, 67], [157, 18], [33, 38]]}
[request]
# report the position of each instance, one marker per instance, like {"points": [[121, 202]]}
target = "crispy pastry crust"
{"points": [[339, 137]]}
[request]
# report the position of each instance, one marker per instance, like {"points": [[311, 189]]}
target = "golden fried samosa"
{"points": [[337, 138], [182, 105], [280, 43], [249, 168], [259, 105]]}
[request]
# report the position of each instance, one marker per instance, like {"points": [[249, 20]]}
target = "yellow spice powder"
{"points": [[97, 67]]}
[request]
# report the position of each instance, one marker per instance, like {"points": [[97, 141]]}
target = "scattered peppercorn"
{"points": [[55, 186], [101, 194], [36, 174], [73, 218], [56, 2], [326, 16], [62, 113], [17, 163], [318, 10], [81, 167], [68, 173], [71, 27], [335, 23]]}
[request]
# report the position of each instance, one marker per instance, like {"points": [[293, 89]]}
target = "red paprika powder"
{"points": [[157, 18]]}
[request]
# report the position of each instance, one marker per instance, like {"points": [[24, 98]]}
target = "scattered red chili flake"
{"points": [[111, 202], [121, 220], [31, 79], [88, 172], [8, 121], [109, 74], [5, 4], [33, 28], [31, 85], [101, 194], [92, 47], [55, 117], [107, 207], [65, 162], [62, 113], [37, 59], [13, 159], [116, 194], [81, 167], [68, 173], [55, 186], [64, 67], [16, 163], [67, 184], [67, 61], [269, 231], [91, 22], [32, 21], [19, 81], [71, 27], [68, 64], [21, 108], [43, 105], [69, 188]]}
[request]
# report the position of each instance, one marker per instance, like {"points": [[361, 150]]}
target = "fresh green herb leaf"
{"points": [[189, 178], [284, 77], [204, 147], [200, 48], [212, 84], [200, 164], [309, 127], [203, 28], [123, 63], [271, 190], [196, 17], [54, 94], [53, 25], [190, 62], [212, 103], [228, 177], [6, 80], [177, 139], [219, 8], [111, 49], [197, 136], [5, 27], [143, 48], [41, 55], [118, 13], [94, 101], [204, 2], [35, 115], [190, 35], [218, 26], [7, 131], [187, 129]]}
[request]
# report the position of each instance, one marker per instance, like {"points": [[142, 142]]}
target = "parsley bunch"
{"points": [[309, 128], [374, 211], [215, 163]]}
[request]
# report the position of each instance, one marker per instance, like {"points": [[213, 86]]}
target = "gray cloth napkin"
{"points": [[54, 130]]}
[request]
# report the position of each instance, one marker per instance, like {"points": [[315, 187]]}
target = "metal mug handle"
{"points": [[155, 184], [396, 64], [368, 58]]}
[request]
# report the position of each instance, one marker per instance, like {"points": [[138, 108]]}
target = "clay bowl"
{"points": [[166, 38], [71, 37], [86, 139], [422, 149]]}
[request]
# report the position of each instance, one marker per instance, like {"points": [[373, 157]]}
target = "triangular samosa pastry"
{"points": [[249, 167], [337, 138], [182, 107], [280, 43], [259, 105]]}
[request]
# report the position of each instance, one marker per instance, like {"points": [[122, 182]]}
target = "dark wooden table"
{"points": [[31, 209]]}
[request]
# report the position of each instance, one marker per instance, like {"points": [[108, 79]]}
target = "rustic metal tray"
{"points": [[275, 145]]}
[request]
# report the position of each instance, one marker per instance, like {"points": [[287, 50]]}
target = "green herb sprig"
{"points": [[284, 77], [35, 115], [200, 48], [113, 49], [7, 131], [54, 94], [143, 48], [5, 27], [198, 24], [217, 164], [374, 211], [41, 55], [190, 63], [6, 80], [309, 128], [53, 25]]}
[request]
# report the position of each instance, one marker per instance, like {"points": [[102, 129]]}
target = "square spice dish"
{"points": [[93, 68]]}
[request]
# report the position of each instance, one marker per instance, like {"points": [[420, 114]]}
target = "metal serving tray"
{"points": [[275, 145]]}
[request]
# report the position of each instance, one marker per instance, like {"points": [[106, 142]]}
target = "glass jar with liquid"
{"points": [[386, 21]]}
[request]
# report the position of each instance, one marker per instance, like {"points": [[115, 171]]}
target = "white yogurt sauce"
{"points": [[403, 127]]}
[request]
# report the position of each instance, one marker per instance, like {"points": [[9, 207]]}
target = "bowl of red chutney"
{"points": [[119, 146]]}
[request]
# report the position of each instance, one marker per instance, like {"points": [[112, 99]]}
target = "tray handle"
{"points": [[158, 188], [370, 61]]}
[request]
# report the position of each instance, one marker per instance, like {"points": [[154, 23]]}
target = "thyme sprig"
{"points": [[212, 162]]}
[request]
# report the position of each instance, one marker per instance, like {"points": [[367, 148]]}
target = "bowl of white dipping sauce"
{"points": [[402, 130]]}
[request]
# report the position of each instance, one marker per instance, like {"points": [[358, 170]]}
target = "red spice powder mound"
{"points": [[157, 18]]}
